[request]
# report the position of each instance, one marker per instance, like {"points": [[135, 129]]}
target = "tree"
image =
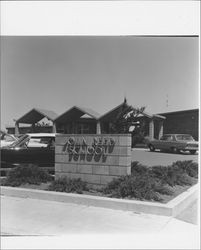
{"points": [[126, 117]]}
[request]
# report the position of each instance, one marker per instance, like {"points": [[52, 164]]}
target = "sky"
{"points": [[58, 72]]}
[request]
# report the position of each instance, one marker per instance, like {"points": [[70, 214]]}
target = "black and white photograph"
{"points": [[100, 125]]}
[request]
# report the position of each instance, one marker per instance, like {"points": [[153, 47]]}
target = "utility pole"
{"points": [[167, 103]]}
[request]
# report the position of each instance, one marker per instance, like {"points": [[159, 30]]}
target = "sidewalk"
{"points": [[38, 217], [32, 217], [25, 216]]}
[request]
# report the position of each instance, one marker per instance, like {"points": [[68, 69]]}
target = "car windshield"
{"points": [[19, 141], [40, 142], [33, 141], [184, 138]]}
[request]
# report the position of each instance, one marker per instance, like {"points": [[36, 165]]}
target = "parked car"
{"points": [[37, 149], [174, 143], [7, 139]]}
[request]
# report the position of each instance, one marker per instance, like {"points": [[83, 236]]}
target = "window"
{"points": [[84, 128], [167, 138], [42, 142], [170, 138], [184, 138]]}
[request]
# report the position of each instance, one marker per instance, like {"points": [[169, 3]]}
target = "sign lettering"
{"points": [[100, 146]]}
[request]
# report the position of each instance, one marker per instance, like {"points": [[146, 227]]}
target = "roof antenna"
{"points": [[125, 100], [167, 104]]}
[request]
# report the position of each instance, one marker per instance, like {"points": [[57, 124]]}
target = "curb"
{"points": [[172, 208]]}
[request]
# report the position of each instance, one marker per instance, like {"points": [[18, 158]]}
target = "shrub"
{"points": [[189, 167], [142, 187], [185, 180], [163, 190], [114, 184], [179, 173], [137, 168], [164, 174], [68, 185], [150, 182], [26, 173]]}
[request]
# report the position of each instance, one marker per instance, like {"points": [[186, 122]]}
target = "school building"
{"points": [[79, 120]]}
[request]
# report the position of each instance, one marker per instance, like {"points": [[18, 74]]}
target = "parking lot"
{"points": [[145, 157]]}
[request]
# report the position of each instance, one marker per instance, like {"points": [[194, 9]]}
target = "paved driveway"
{"points": [[144, 156]]}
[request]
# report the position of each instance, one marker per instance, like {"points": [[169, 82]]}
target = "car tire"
{"points": [[151, 147], [192, 152], [174, 150]]}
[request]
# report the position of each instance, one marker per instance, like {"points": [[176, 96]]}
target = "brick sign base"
{"points": [[96, 159]]}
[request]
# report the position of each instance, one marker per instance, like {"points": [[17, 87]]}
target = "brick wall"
{"points": [[96, 168]]}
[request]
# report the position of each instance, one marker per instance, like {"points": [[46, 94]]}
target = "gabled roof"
{"points": [[113, 112], [75, 113], [111, 115], [35, 115], [90, 112]]}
